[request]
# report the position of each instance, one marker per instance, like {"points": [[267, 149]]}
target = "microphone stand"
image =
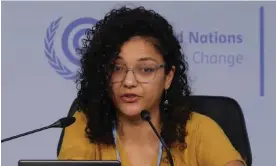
{"points": [[163, 143], [145, 115], [61, 123], [27, 133]]}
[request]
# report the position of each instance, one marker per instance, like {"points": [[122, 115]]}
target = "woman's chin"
{"points": [[131, 111]]}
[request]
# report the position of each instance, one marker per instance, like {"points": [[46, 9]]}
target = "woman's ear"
{"points": [[169, 78]]}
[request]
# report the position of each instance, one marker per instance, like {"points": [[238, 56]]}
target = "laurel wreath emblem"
{"points": [[50, 53]]}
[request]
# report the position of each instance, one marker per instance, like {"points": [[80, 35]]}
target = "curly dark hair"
{"points": [[101, 47]]}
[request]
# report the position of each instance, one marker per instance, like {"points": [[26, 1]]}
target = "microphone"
{"points": [[61, 123], [145, 115]]}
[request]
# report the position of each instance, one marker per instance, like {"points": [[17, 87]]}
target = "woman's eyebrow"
{"points": [[147, 58]]}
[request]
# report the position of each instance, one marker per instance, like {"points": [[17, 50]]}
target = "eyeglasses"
{"points": [[144, 73]]}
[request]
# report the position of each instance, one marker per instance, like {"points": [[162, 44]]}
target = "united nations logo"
{"points": [[70, 41]]}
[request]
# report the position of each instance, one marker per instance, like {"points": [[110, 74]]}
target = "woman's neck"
{"points": [[137, 131]]}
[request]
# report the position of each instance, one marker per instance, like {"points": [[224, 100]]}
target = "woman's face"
{"points": [[142, 86]]}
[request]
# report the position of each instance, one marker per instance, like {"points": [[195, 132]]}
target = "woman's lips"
{"points": [[129, 97]]}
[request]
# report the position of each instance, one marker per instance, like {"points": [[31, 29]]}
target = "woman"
{"points": [[131, 61]]}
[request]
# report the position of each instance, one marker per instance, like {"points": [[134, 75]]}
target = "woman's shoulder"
{"points": [[212, 144], [199, 124], [197, 119], [75, 145], [78, 127], [80, 116]]}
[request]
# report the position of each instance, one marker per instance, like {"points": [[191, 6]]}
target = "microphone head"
{"points": [[145, 115], [64, 122]]}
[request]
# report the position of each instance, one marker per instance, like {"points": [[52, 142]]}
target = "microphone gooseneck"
{"points": [[27, 133], [145, 115], [61, 123]]}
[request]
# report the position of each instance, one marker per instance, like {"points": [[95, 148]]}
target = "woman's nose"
{"points": [[130, 79]]}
